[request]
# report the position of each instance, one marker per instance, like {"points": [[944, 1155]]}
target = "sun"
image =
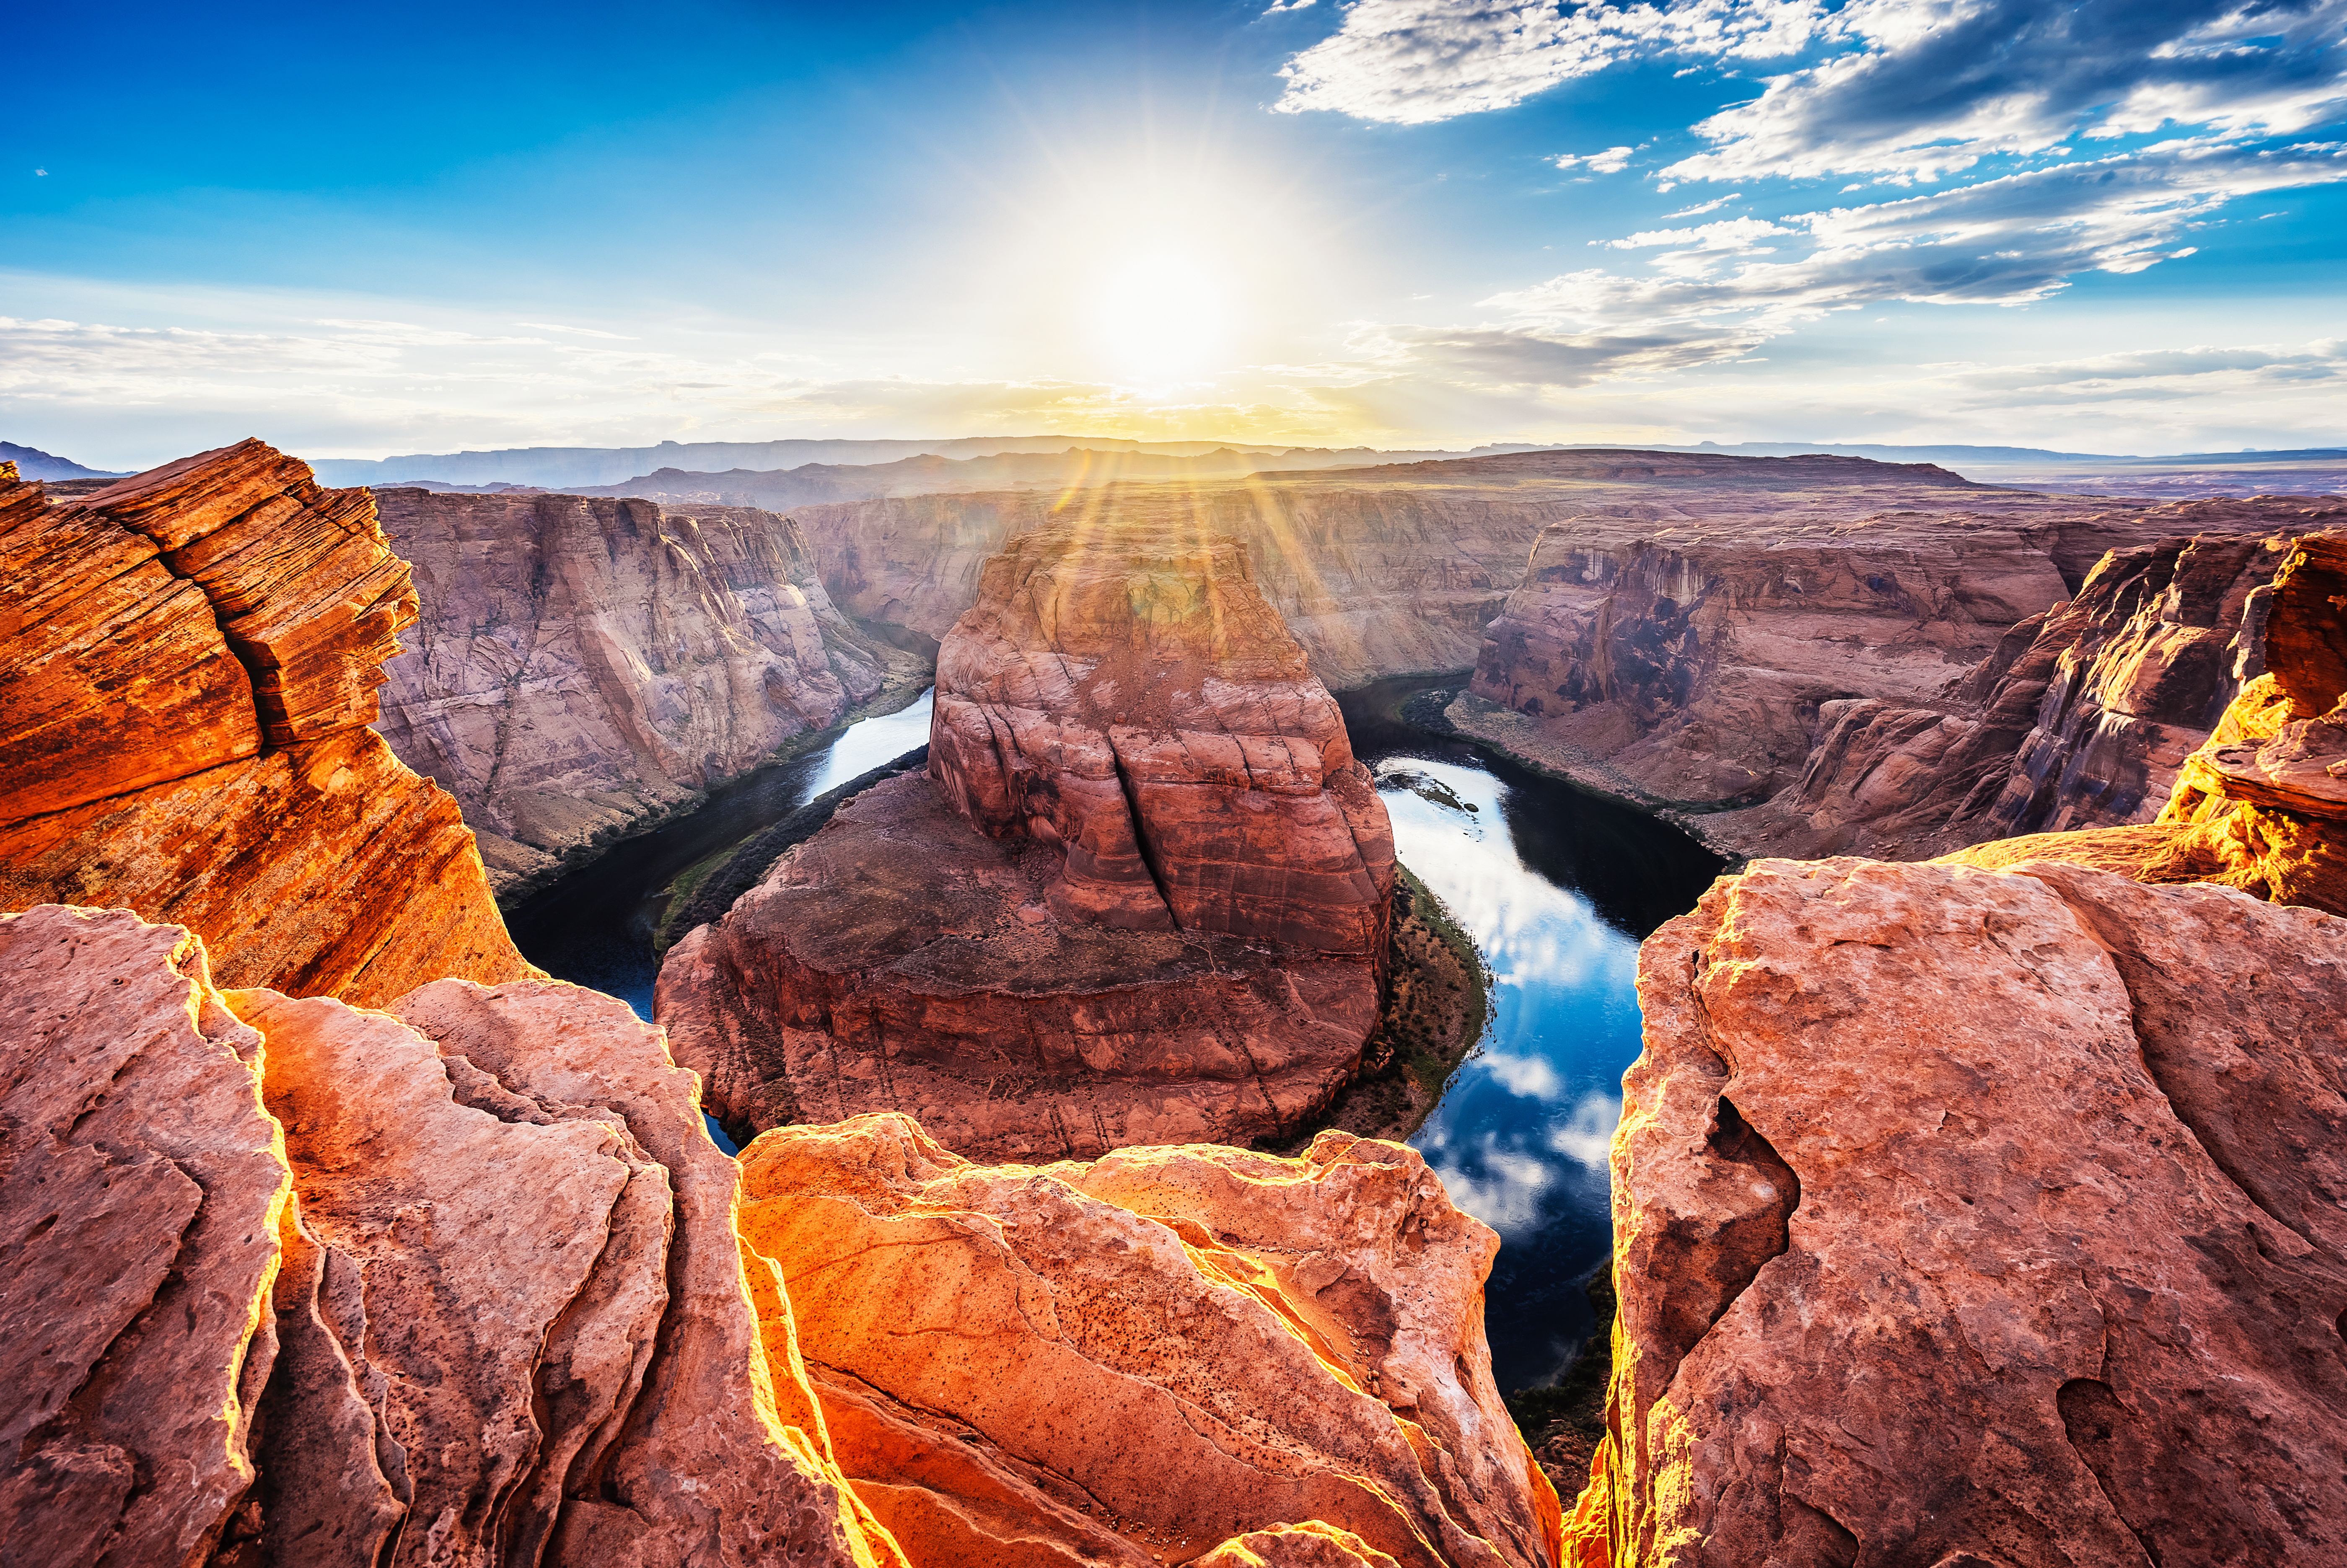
{"points": [[1161, 316]]}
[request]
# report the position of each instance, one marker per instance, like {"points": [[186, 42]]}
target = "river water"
{"points": [[1557, 888]]}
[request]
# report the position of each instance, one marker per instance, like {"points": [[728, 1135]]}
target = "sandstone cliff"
{"points": [[1967, 1216], [2261, 805], [1901, 684], [1141, 896], [188, 661], [1128, 1362], [1378, 571], [289, 1282], [585, 667]]}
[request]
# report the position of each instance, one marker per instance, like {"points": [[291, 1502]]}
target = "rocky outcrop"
{"points": [[1378, 571], [584, 668], [1141, 896], [1902, 684], [322, 1285], [1190, 1355], [1969, 1216], [188, 661]]}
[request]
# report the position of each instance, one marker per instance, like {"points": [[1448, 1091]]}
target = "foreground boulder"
{"points": [[1137, 1360], [1141, 896], [584, 667], [1966, 1216], [479, 1300], [187, 670]]}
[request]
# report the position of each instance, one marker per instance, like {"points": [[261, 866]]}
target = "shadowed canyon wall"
{"points": [[584, 668], [1141, 894], [188, 661]]}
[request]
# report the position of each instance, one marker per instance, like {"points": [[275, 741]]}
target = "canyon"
{"points": [[1974, 1203], [588, 668], [1140, 894]]}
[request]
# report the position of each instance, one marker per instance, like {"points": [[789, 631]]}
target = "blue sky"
{"points": [[2100, 227]]}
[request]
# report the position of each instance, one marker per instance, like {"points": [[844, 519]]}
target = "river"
{"points": [[1557, 887]]}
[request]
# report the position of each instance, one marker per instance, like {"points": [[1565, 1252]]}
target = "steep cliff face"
{"points": [[1131, 1361], [2261, 805], [584, 667], [1976, 1216], [451, 1284], [1378, 571], [187, 665], [1141, 895], [1902, 684]]}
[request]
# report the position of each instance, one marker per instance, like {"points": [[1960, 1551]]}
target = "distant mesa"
{"points": [[32, 463]]}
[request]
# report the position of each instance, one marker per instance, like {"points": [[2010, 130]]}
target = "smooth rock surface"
{"points": [[141, 1186], [585, 667], [1165, 1356], [1969, 1216]]}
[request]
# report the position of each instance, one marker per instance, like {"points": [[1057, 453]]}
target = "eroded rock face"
{"points": [[1902, 683], [1133, 700], [1141, 895], [1976, 1216], [188, 667], [584, 667], [1378, 571], [1164, 1356], [316, 1286]]}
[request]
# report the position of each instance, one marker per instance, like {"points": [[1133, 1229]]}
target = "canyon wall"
{"points": [[1979, 1216], [188, 661], [1378, 571], [1141, 894], [584, 668], [1899, 684]]}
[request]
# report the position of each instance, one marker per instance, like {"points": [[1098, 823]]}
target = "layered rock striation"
{"points": [[1974, 1217], [1141, 894], [583, 668], [189, 663], [1187, 1355], [455, 1283], [1902, 683], [1386, 570]]}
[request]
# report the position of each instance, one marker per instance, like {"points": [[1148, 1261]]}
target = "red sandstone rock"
{"points": [[1129, 696], [140, 1191], [1141, 898], [1966, 1216], [1136, 1360], [584, 667], [158, 774]]}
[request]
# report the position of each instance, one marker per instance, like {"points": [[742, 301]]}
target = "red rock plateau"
{"points": [[1131, 1361], [584, 668], [1970, 1217], [464, 1281], [1140, 897], [1905, 681], [1378, 571], [188, 661]]}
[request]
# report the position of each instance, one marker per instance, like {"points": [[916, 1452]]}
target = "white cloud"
{"points": [[1525, 1077], [1613, 160], [1714, 205], [578, 332], [1588, 1135]]}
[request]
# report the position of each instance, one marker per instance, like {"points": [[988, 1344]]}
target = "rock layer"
{"points": [[1378, 571], [189, 659], [1902, 683], [585, 667], [1142, 896], [1137, 1360], [315, 1285], [1977, 1217]]}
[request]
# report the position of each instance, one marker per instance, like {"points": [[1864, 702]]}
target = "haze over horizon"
{"points": [[1396, 223]]}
